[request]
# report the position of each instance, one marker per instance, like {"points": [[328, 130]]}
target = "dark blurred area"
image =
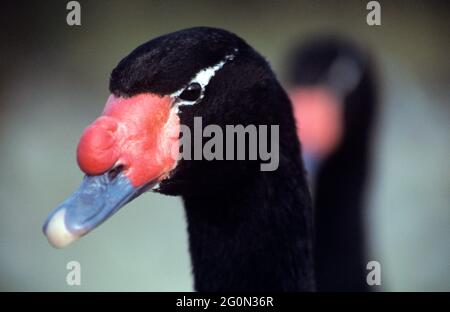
{"points": [[53, 83], [332, 71]]}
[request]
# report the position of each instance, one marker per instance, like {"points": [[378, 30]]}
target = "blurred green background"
{"points": [[53, 83]]}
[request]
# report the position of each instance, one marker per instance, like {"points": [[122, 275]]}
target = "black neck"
{"points": [[340, 248], [255, 236]]}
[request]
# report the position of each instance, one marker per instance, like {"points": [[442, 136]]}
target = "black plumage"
{"points": [[249, 230]]}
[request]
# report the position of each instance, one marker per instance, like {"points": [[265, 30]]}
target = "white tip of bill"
{"points": [[57, 233]]}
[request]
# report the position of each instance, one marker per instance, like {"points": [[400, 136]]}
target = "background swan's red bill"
{"points": [[318, 113], [132, 146]]}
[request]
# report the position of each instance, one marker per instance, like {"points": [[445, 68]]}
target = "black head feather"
{"points": [[166, 63]]}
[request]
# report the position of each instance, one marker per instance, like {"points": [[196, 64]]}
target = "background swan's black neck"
{"points": [[255, 236], [340, 208]]}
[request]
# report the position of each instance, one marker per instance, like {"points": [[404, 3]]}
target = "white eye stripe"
{"points": [[203, 77]]}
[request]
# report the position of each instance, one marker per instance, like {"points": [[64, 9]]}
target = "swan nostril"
{"points": [[114, 172]]}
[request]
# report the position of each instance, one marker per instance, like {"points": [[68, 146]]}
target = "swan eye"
{"points": [[192, 92]]}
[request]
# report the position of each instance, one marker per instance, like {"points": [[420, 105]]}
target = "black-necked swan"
{"points": [[249, 230], [335, 102]]}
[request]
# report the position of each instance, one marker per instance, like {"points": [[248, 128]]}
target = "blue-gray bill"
{"points": [[95, 200]]}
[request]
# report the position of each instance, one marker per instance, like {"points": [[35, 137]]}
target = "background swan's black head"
{"points": [[343, 67], [332, 87]]}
